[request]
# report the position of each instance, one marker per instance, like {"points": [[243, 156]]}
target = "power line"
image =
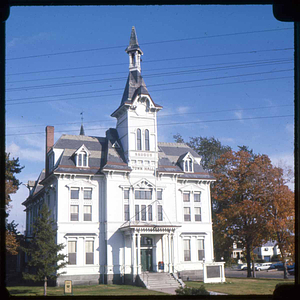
{"points": [[163, 115], [196, 80], [184, 72], [153, 91], [153, 61], [168, 124], [225, 65], [151, 43]]}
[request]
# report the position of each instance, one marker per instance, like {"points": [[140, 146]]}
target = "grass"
{"points": [[242, 286], [88, 290], [232, 286]]}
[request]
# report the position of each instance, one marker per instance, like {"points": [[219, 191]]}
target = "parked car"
{"points": [[291, 271], [263, 266], [278, 266], [243, 267]]}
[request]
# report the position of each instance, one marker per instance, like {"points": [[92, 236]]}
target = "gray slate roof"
{"points": [[170, 155]]}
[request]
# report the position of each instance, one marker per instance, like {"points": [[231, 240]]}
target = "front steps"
{"points": [[159, 281]]}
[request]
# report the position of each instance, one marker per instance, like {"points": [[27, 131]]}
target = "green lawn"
{"points": [[101, 289], [232, 286], [242, 286]]}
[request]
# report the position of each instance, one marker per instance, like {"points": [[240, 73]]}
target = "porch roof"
{"points": [[149, 228]]}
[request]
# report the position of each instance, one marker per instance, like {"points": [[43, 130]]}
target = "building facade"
{"points": [[125, 203]]}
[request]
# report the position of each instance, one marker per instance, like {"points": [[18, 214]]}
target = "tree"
{"points": [[281, 216], [12, 167], [43, 252], [243, 183], [210, 149]]}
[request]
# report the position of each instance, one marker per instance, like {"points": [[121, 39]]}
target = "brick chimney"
{"points": [[49, 144]]}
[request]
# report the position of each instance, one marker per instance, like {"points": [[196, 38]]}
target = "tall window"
{"points": [[197, 211], [126, 212], [187, 213], [137, 213], [143, 213], [87, 212], [187, 250], [197, 197], [72, 249], [186, 197], [138, 139], [159, 195], [160, 213], [87, 194], [74, 212], [126, 194], [89, 252], [143, 194], [147, 143], [200, 245], [149, 212], [75, 194]]}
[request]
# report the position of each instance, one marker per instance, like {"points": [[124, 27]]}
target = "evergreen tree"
{"points": [[43, 252]]}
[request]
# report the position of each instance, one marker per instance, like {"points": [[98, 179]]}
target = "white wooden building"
{"points": [[125, 203]]}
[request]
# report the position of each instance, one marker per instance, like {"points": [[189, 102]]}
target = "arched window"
{"points": [[191, 165], [133, 59], [147, 144], [138, 139]]}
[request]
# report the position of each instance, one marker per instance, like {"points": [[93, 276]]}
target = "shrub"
{"points": [[192, 291]]}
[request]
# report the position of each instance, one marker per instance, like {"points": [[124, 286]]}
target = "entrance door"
{"points": [[146, 259]]}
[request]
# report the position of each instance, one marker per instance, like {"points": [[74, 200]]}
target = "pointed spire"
{"points": [[134, 51], [81, 127], [81, 130], [133, 43]]}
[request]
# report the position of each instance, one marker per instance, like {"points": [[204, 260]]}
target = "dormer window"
{"points": [[188, 165], [82, 157]]}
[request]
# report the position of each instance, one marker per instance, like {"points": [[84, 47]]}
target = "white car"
{"points": [[263, 266], [244, 266]]}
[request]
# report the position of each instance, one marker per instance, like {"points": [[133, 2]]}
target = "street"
{"points": [[275, 274]]}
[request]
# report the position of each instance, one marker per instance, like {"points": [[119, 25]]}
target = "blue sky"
{"points": [[222, 71]]}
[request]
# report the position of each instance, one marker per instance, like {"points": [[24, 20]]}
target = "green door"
{"points": [[146, 259]]}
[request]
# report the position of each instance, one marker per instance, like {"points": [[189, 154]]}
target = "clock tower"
{"points": [[137, 115]]}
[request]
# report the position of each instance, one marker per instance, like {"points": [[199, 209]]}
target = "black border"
{"points": [[283, 10]]}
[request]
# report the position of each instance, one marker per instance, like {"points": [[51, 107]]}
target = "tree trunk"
{"points": [[285, 276], [248, 257], [253, 269], [45, 286]]}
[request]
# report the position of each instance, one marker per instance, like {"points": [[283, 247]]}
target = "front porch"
{"points": [[151, 246]]}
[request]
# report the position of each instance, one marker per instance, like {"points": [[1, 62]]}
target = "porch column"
{"points": [[133, 254], [139, 253], [163, 250], [173, 254], [169, 252]]}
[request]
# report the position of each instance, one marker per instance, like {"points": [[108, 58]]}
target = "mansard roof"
{"points": [[169, 157], [135, 86]]}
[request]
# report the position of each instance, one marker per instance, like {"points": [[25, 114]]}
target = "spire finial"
{"points": [[81, 127]]}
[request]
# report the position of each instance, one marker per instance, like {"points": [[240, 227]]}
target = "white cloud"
{"points": [[239, 115], [226, 140], [182, 109], [290, 128], [31, 154]]}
